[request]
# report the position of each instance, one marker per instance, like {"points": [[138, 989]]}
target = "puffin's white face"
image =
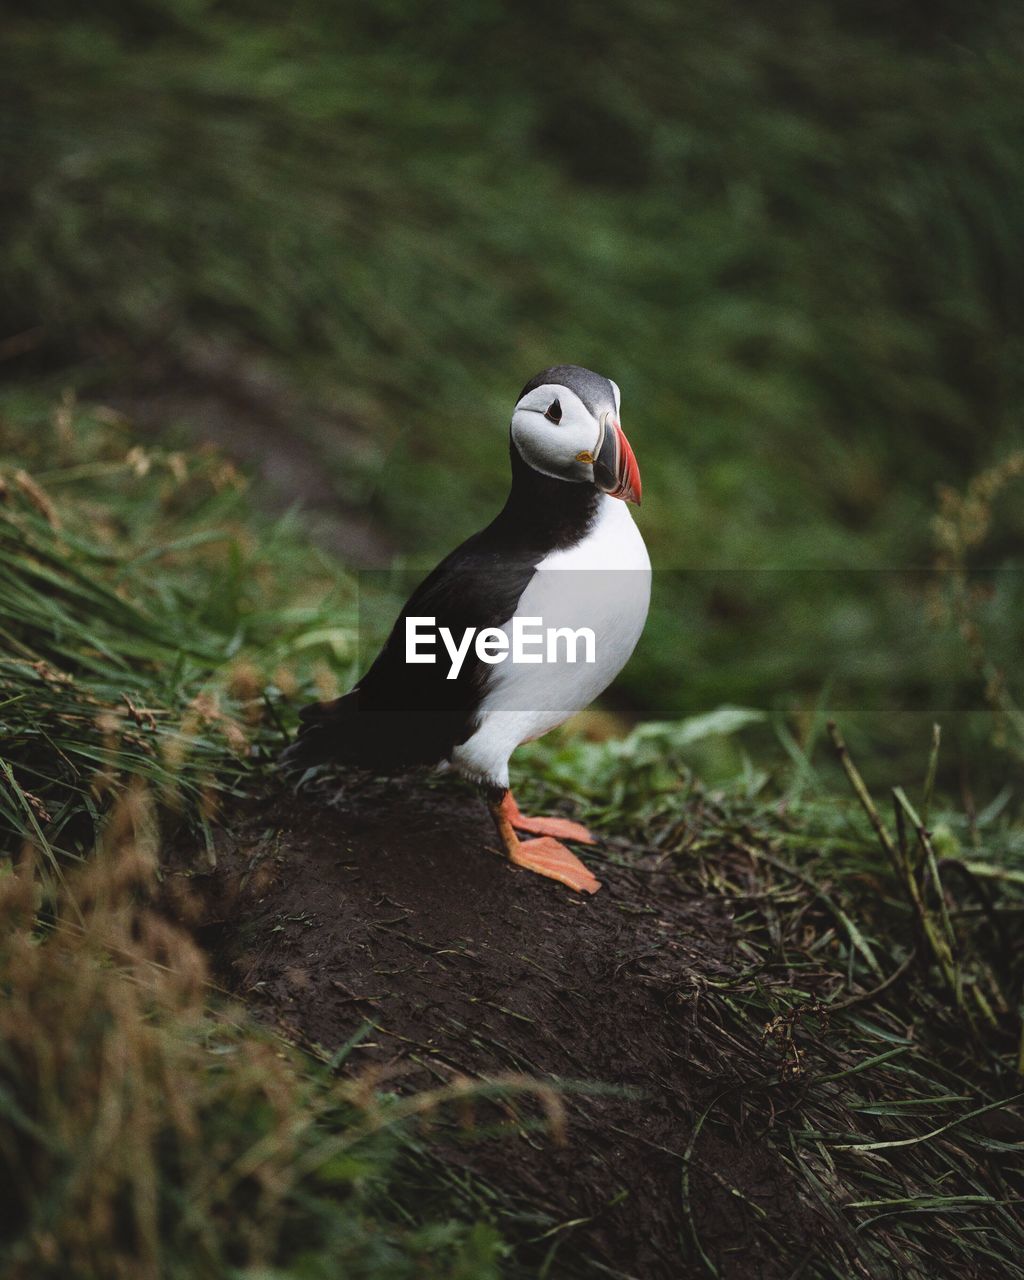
{"points": [[557, 435]]}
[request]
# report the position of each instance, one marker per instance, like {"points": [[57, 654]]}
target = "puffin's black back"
{"points": [[400, 715]]}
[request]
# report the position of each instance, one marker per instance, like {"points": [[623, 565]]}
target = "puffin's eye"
{"points": [[553, 412]]}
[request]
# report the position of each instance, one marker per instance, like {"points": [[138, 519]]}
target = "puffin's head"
{"points": [[566, 425]]}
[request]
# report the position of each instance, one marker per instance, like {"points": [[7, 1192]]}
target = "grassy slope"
{"points": [[151, 622], [793, 241], [874, 1009], [875, 1060]]}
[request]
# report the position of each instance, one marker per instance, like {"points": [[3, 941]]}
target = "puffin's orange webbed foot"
{"points": [[545, 855], [549, 858], [560, 828]]}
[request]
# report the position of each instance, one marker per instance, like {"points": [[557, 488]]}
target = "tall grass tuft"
{"points": [[984, 601], [152, 625]]}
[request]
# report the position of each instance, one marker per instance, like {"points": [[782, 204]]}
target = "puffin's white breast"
{"points": [[602, 583]]}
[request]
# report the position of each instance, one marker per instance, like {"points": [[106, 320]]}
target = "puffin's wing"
{"points": [[402, 714]]}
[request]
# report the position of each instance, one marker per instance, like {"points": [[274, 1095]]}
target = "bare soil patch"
{"points": [[388, 903]]}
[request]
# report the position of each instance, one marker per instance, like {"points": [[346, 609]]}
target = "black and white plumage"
{"points": [[564, 549]]}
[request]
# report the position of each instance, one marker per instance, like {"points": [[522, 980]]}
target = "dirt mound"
{"points": [[390, 904]]}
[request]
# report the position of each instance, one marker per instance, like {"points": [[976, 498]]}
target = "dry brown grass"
{"points": [[963, 526], [108, 1081]]}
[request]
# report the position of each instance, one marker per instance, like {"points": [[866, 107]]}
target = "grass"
{"points": [[157, 631], [157, 636], [875, 1031], [152, 625]]}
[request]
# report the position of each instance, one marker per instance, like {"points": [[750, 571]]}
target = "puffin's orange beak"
{"points": [[615, 469]]}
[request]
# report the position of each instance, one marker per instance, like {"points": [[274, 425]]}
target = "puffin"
{"points": [[563, 558]]}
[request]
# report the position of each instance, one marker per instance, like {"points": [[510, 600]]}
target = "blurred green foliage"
{"points": [[791, 236]]}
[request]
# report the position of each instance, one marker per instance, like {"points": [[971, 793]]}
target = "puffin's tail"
{"points": [[327, 731]]}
